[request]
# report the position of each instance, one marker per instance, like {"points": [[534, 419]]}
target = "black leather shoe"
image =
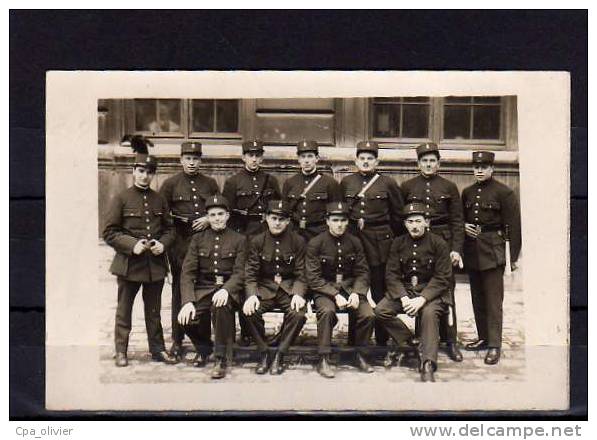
{"points": [[363, 365], [479, 344], [390, 359], [164, 357], [493, 356], [200, 360], [263, 364], [277, 366], [324, 367], [219, 369], [427, 371], [454, 352], [121, 360], [176, 351], [244, 341]]}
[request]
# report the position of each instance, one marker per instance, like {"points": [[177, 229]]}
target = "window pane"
{"points": [[169, 113], [486, 122], [459, 99], [203, 115], [457, 122], [145, 115], [227, 112], [290, 129], [487, 99], [415, 121], [386, 120]]}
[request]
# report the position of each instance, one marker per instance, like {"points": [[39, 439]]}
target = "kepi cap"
{"points": [[415, 208], [426, 148], [368, 146], [217, 201], [253, 145], [279, 207], [483, 157], [191, 148], [337, 208], [304, 146], [146, 161]]}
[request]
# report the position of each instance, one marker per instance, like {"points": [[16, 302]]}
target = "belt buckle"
{"points": [[219, 280], [278, 279], [361, 223], [303, 223], [339, 278]]}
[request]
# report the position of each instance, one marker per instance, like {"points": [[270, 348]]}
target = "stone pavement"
{"points": [[142, 370]]}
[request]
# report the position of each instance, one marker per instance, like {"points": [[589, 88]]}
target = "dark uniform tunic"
{"points": [[493, 206], [442, 199], [186, 197], [308, 212], [337, 266], [275, 271], [248, 193], [215, 260], [137, 214], [380, 209], [417, 267]]}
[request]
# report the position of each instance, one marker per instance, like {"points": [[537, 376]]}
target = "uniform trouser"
{"points": [[177, 330], [223, 323], [429, 317], [152, 303], [361, 322], [378, 292], [291, 327], [487, 294], [449, 330]]}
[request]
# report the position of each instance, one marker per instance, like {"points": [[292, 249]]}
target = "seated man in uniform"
{"points": [[418, 277], [338, 277], [274, 278], [212, 281]]}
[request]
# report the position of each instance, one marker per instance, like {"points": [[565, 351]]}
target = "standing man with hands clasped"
{"points": [[186, 193], [139, 229]]}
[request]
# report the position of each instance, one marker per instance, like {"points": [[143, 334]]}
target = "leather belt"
{"points": [[490, 228], [373, 223], [212, 277]]}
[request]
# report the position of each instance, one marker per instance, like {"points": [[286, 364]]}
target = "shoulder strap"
{"points": [[361, 194]]}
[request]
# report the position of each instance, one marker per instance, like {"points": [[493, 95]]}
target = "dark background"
{"points": [[267, 40]]}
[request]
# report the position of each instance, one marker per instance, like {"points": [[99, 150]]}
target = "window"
{"points": [[158, 117], [401, 118], [211, 117], [472, 118]]}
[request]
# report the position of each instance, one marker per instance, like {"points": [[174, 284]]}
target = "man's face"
{"points": [[276, 223], [190, 163], [429, 164], [482, 172], [252, 160], [416, 225], [366, 162], [142, 176], [308, 161], [337, 224], [217, 218]]}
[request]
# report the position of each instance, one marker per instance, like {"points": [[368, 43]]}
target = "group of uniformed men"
{"points": [[253, 249]]}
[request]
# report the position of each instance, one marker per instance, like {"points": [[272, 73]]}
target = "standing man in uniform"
{"points": [[492, 225], [140, 230], [444, 210], [338, 277], [186, 193], [248, 193], [418, 277], [212, 283], [308, 191], [374, 202], [275, 278]]}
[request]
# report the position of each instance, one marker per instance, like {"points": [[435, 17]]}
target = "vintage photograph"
{"points": [[309, 240]]}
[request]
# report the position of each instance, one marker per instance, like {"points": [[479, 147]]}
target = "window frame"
{"points": [[213, 134], [164, 134], [400, 140]]}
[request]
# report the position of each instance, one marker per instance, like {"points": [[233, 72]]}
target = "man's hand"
{"points": [[353, 301], [251, 305], [200, 224], [220, 298], [471, 230], [513, 266], [456, 259], [157, 248], [414, 305], [297, 302], [186, 314], [140, 247], [341, 301]]}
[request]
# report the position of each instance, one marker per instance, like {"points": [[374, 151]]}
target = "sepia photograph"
{"points": [[311, 241]]}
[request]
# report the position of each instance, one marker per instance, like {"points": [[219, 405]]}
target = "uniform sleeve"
{"points": [[299, 286], [442, 273], [252, 266], [396, 205], [229, 192], [190, 271], [213, 186], [285, 189], [166, 190], [313, 271], [275, 186], [360, 270], [234, 284], [169, 232], [456, 220], [114, 235], [335, 192], [511, 218], [395, 286]]}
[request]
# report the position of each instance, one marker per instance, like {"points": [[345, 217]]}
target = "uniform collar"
{"points": [[311, 174], [428, 177], [252, 173], [190, 177], [420, 239], [337, 238], [485, 182], [220, 232], [278, 237], [138, 188]]}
